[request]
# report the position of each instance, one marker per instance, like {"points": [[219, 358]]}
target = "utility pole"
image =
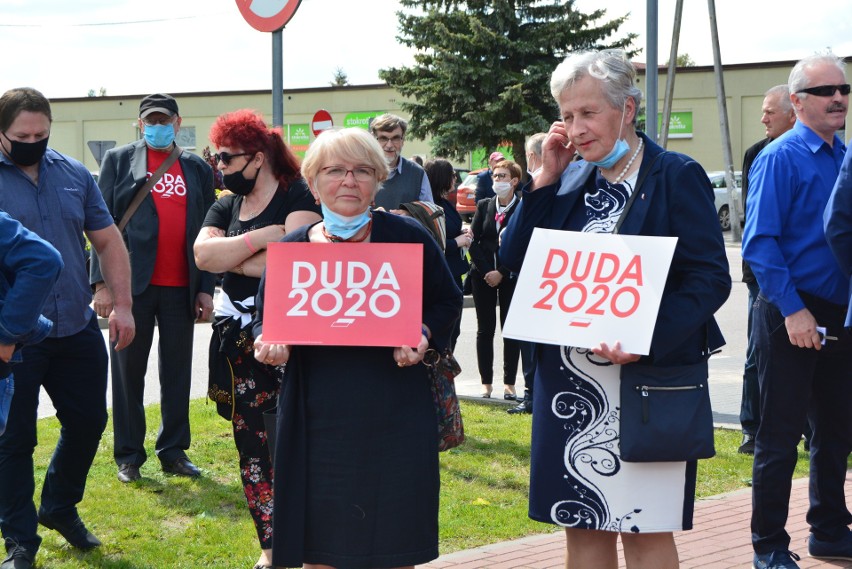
{"points": [[670, 76], [733, 204]]}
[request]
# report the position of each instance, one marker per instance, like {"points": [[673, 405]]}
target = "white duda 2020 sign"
{"points": [[581, 289]]}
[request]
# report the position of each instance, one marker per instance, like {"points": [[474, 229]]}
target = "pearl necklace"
{"points": [[629, 162]]}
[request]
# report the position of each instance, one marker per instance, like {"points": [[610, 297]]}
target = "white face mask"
{"points": [[502, 189]]}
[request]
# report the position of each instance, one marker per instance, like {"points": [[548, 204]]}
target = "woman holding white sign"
{"points": [[625, 184], [269, 199], [357, 444]]}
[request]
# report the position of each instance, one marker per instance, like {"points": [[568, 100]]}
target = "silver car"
{"points": [[720, 194]]}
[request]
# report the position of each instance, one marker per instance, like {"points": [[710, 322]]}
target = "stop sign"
{"points": [[268, 15], [321, 121]]}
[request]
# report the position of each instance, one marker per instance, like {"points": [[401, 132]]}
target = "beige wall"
{"points": [[114, 118]]}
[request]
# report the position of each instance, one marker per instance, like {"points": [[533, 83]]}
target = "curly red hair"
{"points": [[246, 130]]}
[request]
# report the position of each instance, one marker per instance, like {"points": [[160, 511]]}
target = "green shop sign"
{"points": [[299, 138], [680, 124], [361, 120]]}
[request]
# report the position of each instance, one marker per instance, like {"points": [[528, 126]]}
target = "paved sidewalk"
{"points": [[721, 540]]}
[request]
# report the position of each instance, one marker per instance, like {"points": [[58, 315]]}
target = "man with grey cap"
{"points": [[168, 288]]}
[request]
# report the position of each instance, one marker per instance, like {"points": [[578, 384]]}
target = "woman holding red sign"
{"points": [[357, 443], [625, 184], [269, 199]]}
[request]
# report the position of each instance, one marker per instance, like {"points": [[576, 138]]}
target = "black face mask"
{"points": [[26, 153], [238, 183]]}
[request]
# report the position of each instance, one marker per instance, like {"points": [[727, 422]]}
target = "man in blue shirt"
{"points": [[804, 356], [29, 267], [56, 197]]}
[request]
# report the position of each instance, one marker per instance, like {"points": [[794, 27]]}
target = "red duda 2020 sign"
{"points": [[343, 294], [268, 15]]}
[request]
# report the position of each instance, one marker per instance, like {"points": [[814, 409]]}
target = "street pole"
{"points": [[277, 78], [651, 72], [733, 205]]}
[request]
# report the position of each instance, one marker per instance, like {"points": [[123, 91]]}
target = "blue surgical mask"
{"points": [[159, 135], [619, 149], [341, 225]]}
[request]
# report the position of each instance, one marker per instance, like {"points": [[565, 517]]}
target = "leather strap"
{"points": [[146, 187], [632, 197]]}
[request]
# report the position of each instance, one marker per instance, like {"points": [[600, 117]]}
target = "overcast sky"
{"points": [[65, 48]]}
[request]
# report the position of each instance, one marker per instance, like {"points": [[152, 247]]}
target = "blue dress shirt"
{"points": [[65, 203], [784, 241]]}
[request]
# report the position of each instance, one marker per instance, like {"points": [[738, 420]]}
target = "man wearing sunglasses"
{"points": [[804, 355], [168, 288], [407, 182]]}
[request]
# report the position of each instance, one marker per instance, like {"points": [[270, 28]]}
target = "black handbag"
{"points": [[665, 413]]}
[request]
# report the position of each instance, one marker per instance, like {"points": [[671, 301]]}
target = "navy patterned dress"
{"points": [[578, 479]]}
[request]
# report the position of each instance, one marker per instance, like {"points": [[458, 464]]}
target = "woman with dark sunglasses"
{"points": [[269, 199]]}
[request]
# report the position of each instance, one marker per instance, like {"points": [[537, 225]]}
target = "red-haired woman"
{"points": [[269, 199]]}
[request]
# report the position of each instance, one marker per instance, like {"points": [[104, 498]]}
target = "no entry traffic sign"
{"points": [[321, 121], [268, 15]]}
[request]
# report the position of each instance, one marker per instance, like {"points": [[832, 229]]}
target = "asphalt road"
{"points": [[725, 367]]}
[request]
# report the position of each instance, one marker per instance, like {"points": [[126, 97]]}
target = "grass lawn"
{"points": [[170, 522]]}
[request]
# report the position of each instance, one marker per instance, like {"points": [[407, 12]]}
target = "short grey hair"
{"points": [[798, 77], [534, 143], [610, 66], [782, 92], [386, 123], [352, 144]]}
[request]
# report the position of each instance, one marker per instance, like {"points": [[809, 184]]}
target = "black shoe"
{"points": [[73, 530], [525, 406], [747, 446], [16, 556], [182, 467], [128, 473]]}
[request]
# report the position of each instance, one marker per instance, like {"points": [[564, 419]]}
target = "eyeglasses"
{"points": [[826, 90], [163, 121], [395, 139], [338, 173], [226, 157], [500, 176]]}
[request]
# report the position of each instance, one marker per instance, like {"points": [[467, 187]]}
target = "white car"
{"points": [[720, 192]]}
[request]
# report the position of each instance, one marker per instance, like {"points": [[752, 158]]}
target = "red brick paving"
{"points": [[721, 540]]}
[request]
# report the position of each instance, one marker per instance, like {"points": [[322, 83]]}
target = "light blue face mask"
{"points": [[619, 149], [342, 226], [159, 135]]}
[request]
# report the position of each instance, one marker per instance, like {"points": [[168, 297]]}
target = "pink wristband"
{"points": [[248, 243]]}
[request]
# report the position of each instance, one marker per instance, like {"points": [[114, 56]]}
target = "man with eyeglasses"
{"points": [[407, 182], [168, 287], [56, 197], [804, 353]]}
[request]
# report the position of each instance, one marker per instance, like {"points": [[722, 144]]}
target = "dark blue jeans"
{"points": [[73, 371], [750, 404], [795, 384]]}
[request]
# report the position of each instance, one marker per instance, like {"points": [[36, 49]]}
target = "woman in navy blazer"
{"points": [[578, 479], [493, 283]]}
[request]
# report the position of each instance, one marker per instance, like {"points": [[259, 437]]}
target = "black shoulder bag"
{"points": [[665, 413]]}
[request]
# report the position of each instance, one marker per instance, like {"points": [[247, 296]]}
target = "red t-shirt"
{"points": [[169, 193]]}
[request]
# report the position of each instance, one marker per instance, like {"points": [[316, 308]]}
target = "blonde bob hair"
{"points": [[353, 145]]}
